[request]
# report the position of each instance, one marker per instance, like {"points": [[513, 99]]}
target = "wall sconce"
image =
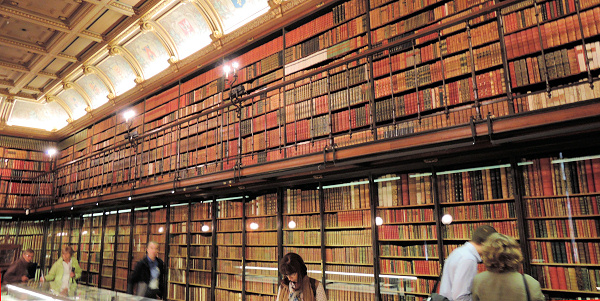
{"points": [[128, 115]]}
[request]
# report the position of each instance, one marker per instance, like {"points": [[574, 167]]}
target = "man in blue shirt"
{"points": [[461, 266], [148, 275]]}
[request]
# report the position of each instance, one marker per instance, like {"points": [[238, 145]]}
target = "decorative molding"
{"points": [[76, 87], [95, 70], [212, 17], [166, 40], [130, 59], [252, 25]]}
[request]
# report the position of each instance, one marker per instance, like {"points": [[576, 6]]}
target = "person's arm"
{"points": [[279, 293], [534, 289], [52, 274], [12, 275], [463, 280], [162, 287], [134, 278], [78, 269], [321, 296]]}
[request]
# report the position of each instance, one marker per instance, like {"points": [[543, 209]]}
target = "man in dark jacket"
{"points": [[148, 275], [18, 270]]}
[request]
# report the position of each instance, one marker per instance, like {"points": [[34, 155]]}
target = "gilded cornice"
{"points": [[211, 16], [23, 45], [252, 25], [14, 67], [33, 18], [291, 4], [67, 57], [122, 8], [76, 87], [109, 85], [48, 74], [135, 65], [165, 39]]}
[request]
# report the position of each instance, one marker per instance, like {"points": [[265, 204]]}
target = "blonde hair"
{"points": [[501, 254]]}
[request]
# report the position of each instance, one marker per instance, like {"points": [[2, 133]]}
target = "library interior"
{"points": [[371, 137]]}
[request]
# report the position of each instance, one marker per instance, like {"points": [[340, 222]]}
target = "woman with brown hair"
{"points": [[502, 281], [296, 285]]}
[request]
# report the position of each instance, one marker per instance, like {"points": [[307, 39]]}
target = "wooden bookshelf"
{"points": [[229, 248], [562, 229], [123, 246], [261, 264], [178, 259], [407, 234]]}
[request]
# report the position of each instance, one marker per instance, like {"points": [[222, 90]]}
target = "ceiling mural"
{"points": [[68, 35], [235, 13], [187, 28], [149, 52], [119, 72], [48, 116], [94, 88], [75, 102]]}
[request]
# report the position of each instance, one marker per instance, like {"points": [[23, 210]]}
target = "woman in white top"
{"points": [[64, 271]]}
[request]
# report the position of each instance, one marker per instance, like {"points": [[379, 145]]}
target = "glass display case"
{"points": [[41, 291]]}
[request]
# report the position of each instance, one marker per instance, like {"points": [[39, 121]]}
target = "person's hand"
{"points": [[42, 279], [72, 274], [24, 279]]}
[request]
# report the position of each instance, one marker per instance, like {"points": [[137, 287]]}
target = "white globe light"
{"points": [[447, 219], [161, 229], [292, 224], [378, 221], [253, 226], [205, 228]]}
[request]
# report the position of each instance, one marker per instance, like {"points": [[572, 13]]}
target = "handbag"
{"points": [[435, 296], [526, 287]]}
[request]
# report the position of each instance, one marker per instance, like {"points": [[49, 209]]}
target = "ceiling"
{"points": [[61, 60]]}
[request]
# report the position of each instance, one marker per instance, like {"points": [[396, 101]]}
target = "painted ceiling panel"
{"points": [[77, 47], [39, 82], [7, 74], [75, 102], [94, 88], [14, 55], [53, 8], [35, 115], [235, 13], [119, 72], [150, 53], [56, 66], [187, 27], [25, 31], [106, 21]]}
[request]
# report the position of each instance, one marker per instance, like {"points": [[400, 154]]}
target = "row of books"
{"points": [[482, 211], [560, 228], [414, 267], [407, 232], [545, 177], [465, 231], [406, 215], [565, 278], [477, 185], [550, 252], [568, 206], [392, 250], [403, 190], [350, 255]]}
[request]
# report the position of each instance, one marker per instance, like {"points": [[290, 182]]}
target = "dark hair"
{"points": [[482, 233], [292, 263], [28, 251]]}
